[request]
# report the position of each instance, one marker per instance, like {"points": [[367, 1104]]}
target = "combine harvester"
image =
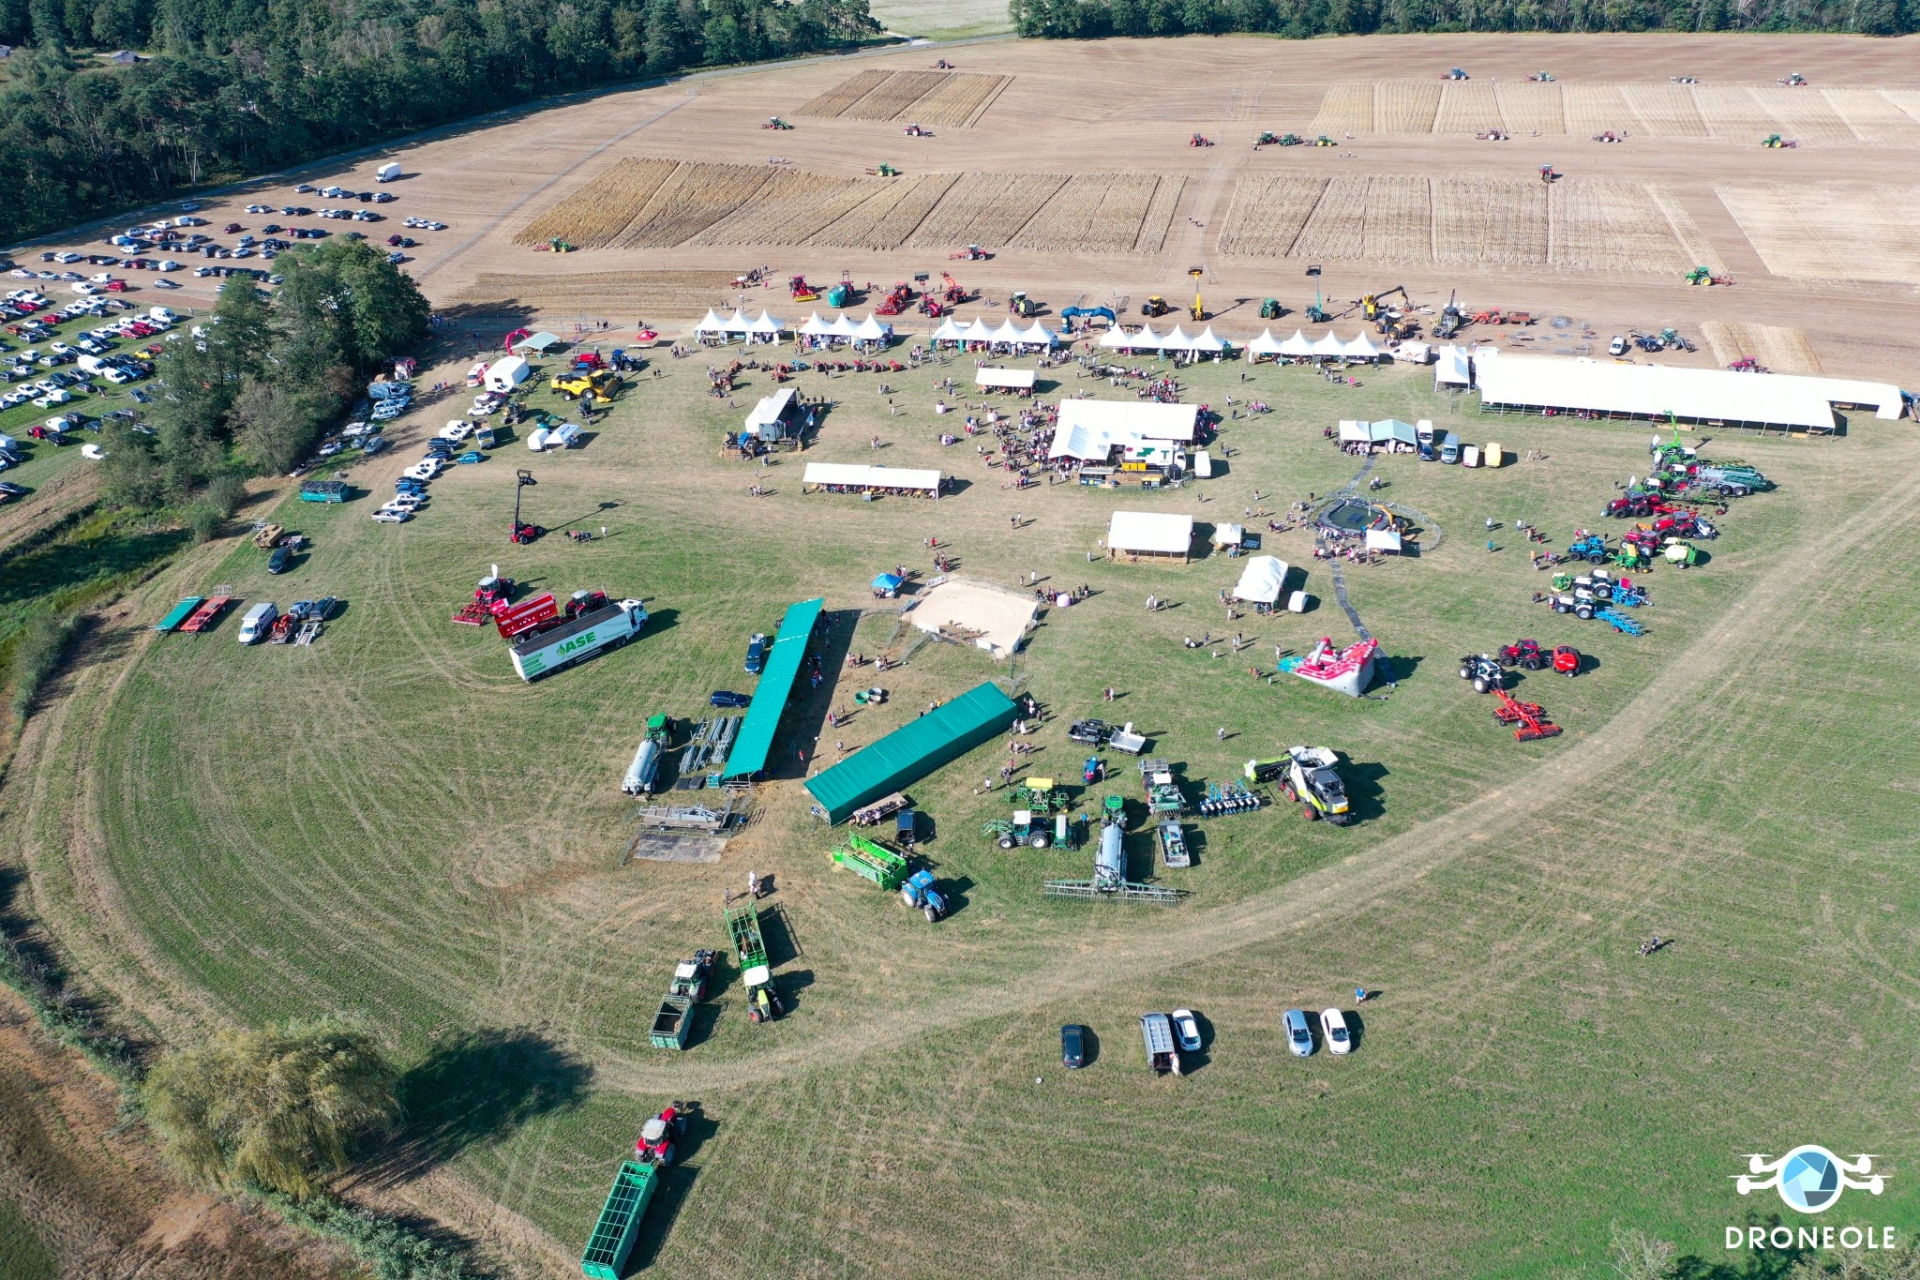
{"points": [[1110, 870], [1347, 671]]}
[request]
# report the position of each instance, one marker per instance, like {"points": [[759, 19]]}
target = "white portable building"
{"points": [[506, 373], [1155, 535], [1004, 379]]}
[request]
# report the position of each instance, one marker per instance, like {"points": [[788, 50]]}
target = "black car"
{"points": [[282, 557], [8, 489], [727, 698], [1073, 1046]]}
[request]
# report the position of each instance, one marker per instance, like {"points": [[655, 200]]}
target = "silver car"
{"points": [[1299, 1033]]}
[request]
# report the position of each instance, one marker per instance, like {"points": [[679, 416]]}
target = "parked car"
{"points": [[281, 558], [1073, 1046], [374, 445], [1299, 1034], [1186, 1029], [756, 653], [1333, 1029], [728, 698], [392, 515]]}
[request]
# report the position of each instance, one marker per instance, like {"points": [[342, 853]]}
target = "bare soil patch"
{"points": [[1833, 231], [1093, 213], [597, 213], [1268, 214], [1776, 347], [986, 208], [887, 217], [955, 99]]}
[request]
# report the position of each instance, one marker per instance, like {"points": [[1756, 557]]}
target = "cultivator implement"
{"points": [[1151, 895], [1528, 719], [1231, 798], [1620, 622]]}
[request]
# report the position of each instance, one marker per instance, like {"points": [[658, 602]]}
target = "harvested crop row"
{"points": [[1597, 108], [1873, 116], [889, 215], [958, 100], [1467, 106], [598, 212], [1159, 216], [1830, 232], [1665, 110], [894, 95], [1399, 218], [1605, 226], [1779, 349], [693, 199], [1532, 108], [1489, 221], [1345, 108], [845, 94], [1907, 100], [1092, 213], [788, 210], [1268, 213], [1337, 228], [985, 208], [1405, 106], [1807, 116], [606, 293], [1694, 245], [1733, 112]]}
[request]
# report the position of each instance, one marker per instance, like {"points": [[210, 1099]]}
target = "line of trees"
{"points": [[258, 382], [234, 87], [1094, 19]]}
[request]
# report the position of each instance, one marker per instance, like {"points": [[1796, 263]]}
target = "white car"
{"points": [[68, 256], [392, 515], [1333, 1029], [1186, 1029], [116, 376], [407, 501], [167, 264], [425, 469], [52, 398], [60, 349], [456, 430]]}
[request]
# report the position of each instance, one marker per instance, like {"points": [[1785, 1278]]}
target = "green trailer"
{"points": [[872, 861], [670, 1023], [611, 1243], [179, 615], [743, 928]]}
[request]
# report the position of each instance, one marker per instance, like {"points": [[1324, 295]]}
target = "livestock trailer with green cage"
{"points": [[618, 1226]]}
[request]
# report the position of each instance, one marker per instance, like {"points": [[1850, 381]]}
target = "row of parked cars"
{"points": [[1170, 1034]]}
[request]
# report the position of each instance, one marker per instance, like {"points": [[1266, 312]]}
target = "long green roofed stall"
{"points": [[912, 751], [770, 696]]}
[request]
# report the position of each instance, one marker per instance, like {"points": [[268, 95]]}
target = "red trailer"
{"points": [[527, 615], [208, 612]]}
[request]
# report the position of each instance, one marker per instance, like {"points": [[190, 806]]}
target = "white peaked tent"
{"points": [[1455, 368], [1008, 333], [1177, 340], [978, 332], [1116, 339], [949, 332], [1297, 345], [738, 322], [1037, 335], [1208, 342], [1265, 345], [710, 324], [815, 327], [766, 327], [1361, 349], [1261, 581], [1329, 346], [843, 327], [871, 330]]}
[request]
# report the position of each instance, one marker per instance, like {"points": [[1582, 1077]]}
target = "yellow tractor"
{"points": [[601, 382]]}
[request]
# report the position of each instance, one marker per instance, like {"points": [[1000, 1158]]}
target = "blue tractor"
{"points": [[1592, 548], [918, 891]]}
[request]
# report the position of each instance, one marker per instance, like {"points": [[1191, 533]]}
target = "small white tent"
{"points": [[871, 330], [843, 327], [1037, 335], [1177, 340], [1264, 345], [1361, 349], [815, 327], [1008, 333], [710, 324], [978, 332], [1208, 342], [949, 332], [1261, 581], [1297, 345], [1329, 346], [738, 322]]}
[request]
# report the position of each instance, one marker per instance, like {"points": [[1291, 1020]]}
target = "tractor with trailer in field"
{"points": [[670, 1023], [643, 775], [1483, 669], [617, 1228], [690, 977], [590, 624], [919, 892], [872, 861], [742, 918]]}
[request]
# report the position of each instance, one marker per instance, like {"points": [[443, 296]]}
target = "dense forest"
{"points": [[1089, 19], [236, 87]]}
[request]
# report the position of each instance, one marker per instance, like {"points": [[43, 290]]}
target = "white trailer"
{"points": [[607, 627], [1156, 1029], [505, 374], [644, 769], [387, 172]]}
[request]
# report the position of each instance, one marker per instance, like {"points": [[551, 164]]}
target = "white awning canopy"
{"points": [[1329, 346], [1177, 340], [866, 477], [1654, 391], [1090, 429], [769, 409], [1228, 535], [738, 322], [1454, 368], [1153, 532], [1005, 379], [1261, 581], [1297, 345]]}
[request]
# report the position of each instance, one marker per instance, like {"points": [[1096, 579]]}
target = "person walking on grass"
{"points": [[1221, 733]]}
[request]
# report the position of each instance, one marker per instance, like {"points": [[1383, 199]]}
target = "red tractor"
{"points": [[1525, 654], [522, 533], [801, 290], [588, 362], [655, 1143], [1199, 140], [1566, 660], [493, 597], [584, 602], [898, 299], [972, 253]]}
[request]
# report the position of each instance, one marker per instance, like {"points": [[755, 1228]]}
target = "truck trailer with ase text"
{"points": [[542, 652]]}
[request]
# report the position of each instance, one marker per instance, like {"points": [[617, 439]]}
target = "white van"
{"points": [[163, 314], [259, 621], [564, 436]]}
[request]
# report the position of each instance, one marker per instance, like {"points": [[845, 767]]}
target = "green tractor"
{"points": [[1270, 309], [1292, 140], [1034, 830], [1681, 554], [1266, 139]]}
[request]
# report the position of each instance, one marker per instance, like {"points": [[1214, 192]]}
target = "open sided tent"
{"points": [[1329, 346], [815, 327], [1262, 580], [949, 332], [860, 477], [1393, 430], [871, 330], [1361, 348], [538, 342], [1208, 342], [1038, 335], [1090, 429], [1387, 540], [1118, 339], [1264, 345], [788, 651], [1712, 396], [711, 323], [1353, 431], [1297, 345], [1004, 379], [911, 752], [1454, 368], [1155, 535], [1177, 340], [842, 327], [1228, 535], [1007, 334], [738, 322], [979, 332], [765, 328]]}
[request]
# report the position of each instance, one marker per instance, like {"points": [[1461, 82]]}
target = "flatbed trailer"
{"points": [[178, 614], [203, 617], [687, 817], [618, 1226]]}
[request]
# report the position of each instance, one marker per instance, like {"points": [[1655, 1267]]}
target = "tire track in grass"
{"points": [[1345, 888]]}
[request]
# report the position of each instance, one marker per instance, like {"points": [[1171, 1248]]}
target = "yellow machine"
{"points": [[1154, 306], [1199, 312], [600, 382]]}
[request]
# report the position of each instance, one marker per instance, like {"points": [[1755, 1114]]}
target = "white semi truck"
{"points": [[606, 627]]}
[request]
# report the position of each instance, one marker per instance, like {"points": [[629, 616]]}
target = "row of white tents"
{"points": [[1007, 335], [765, 328], [1145, 339], [1300, 346], [843, 329]]}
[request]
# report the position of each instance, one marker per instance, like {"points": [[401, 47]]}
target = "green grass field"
{"points": [[945, 21], [390, 824]]}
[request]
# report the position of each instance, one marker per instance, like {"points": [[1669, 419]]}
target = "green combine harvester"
{"points": [[611, 1243], [872, 861]]}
